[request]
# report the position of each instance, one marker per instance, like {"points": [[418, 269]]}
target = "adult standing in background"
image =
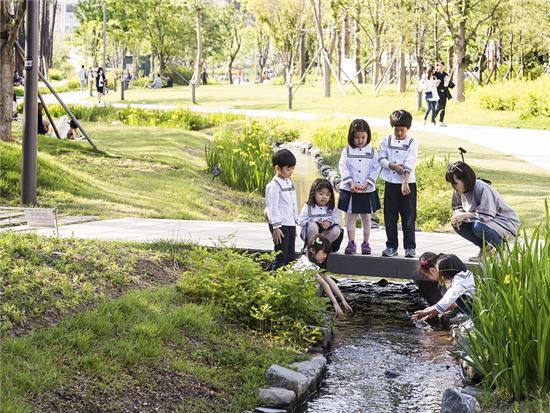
{"points": [[100, 81], [428, 85], [442, 90], [82, 77]]}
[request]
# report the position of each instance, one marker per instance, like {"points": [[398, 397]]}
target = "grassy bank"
{"points": [[140, 172], [104, 328], [309, 98]]}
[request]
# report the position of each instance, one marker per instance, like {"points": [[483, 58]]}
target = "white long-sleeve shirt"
{"points": [[463, 284], [358, 165], [402, 152], [316, 213], [281, 203]]}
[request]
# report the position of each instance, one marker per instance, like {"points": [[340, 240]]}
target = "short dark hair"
{"points": [[401, 118], [358, 125], [283, 157], [318, 243], [462, 171], [317, 185], [449, 265]]}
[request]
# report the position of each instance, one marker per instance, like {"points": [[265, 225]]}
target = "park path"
{"points": [[242, 235], [531, 145]]}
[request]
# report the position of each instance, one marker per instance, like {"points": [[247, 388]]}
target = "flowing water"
{"points": [[382, 362]]}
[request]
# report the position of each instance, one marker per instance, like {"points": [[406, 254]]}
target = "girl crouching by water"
{"points": [[318, 248], [449, 270]]}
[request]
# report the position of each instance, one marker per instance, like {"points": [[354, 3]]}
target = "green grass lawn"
{"points": [[101, 326], [140, 171], [309, 98]]}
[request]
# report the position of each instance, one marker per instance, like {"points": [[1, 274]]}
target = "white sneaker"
{"points": [[442, 124]]}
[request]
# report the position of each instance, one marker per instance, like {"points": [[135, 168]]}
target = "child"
{"points": [[398, 155], [358, 194], [318, 248], [451, 271], [319, 214], [282, 214]]}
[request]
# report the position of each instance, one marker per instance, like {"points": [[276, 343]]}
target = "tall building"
{"points": [[66, 17]]}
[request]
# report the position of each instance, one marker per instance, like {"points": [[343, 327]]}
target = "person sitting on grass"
{"points": [[449, 270], [318, 248]]}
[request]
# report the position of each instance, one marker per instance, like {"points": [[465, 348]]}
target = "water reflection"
{"points": [[381, 362]]}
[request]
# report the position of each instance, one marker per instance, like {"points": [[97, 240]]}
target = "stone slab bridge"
{"points": [[256, 237]]}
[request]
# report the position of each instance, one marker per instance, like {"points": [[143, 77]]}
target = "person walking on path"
{"points": [[398, 154], [442, 90], [358, 194], [428, 85], [100, 82], [281, 204], [82, 77], [480, 214]]}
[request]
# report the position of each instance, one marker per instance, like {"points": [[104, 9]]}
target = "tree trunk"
{"points": [[196, 74], [230, 71], [376, 61], [323, 55], [402, 68], [357, 51], [49, 58], [460, 54], [303, 63]]}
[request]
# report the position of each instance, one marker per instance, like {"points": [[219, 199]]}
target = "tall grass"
{"points": [[510, 345], [243, 155]]}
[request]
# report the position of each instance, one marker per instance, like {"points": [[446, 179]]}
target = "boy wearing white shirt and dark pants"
{"points": [[398, 154], [282, 212]]}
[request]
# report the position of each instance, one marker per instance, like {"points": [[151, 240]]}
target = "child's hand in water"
{"points": [[424, 314], [338, 310], [347, 307]]}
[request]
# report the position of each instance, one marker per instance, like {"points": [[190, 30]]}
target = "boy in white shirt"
{"points": [[282, 212], [397, 156]]}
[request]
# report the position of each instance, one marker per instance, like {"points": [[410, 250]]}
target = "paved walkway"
{"points": [[531, 145], [242, 235]]}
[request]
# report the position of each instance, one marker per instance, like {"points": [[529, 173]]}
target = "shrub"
{"points": [[510, 342], [243, 155], [538, 105], [282, 304], [181, 75], [73, 84], [55, 74]]}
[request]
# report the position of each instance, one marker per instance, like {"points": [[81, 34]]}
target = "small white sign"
{"points": [[38, 217]]}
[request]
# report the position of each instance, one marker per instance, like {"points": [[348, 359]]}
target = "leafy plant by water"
{"points": [[510, 345], [281, 304], [243, 152]]}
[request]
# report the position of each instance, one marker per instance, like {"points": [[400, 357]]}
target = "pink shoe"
{"points": [[365, 248], [351, 248]]}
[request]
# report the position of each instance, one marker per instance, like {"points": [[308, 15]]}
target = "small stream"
{"points": [[380, 361]]}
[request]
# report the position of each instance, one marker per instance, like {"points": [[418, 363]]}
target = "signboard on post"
{"points": [[41, 217]]}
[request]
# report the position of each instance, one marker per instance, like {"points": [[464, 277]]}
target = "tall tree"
{"points": [[463, 19], [232, 23], [12, 13]]}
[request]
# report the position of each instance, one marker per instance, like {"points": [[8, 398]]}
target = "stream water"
{"points": [[382, 362]]}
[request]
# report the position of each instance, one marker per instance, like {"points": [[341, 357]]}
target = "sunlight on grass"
{"points": [[310, 98]]}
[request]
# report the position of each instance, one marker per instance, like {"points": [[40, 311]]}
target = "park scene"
{"points": [[275, 206]]}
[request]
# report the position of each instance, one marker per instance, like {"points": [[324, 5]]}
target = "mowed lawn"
{"points": [[140, 172], [310, 98]]}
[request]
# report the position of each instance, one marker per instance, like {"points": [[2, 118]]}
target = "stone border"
{"points": [[292, 387]]}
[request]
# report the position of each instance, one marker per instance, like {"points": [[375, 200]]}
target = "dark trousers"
{"points": [[395, 205], [477, 233], [432, 107], [440, 107], [286, 250]]}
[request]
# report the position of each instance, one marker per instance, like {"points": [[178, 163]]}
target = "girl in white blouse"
{"points": [[358, 194], [319, 215]]}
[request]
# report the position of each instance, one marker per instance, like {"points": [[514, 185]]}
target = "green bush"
{"points": [[181, 75], [73, 84], [55, 74], [330, 138], [510, 342], [139, 82], [538, 105], [243, 154], [281, 304]]}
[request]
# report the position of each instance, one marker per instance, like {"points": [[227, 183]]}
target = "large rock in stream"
{"points": [[454, 401]]}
